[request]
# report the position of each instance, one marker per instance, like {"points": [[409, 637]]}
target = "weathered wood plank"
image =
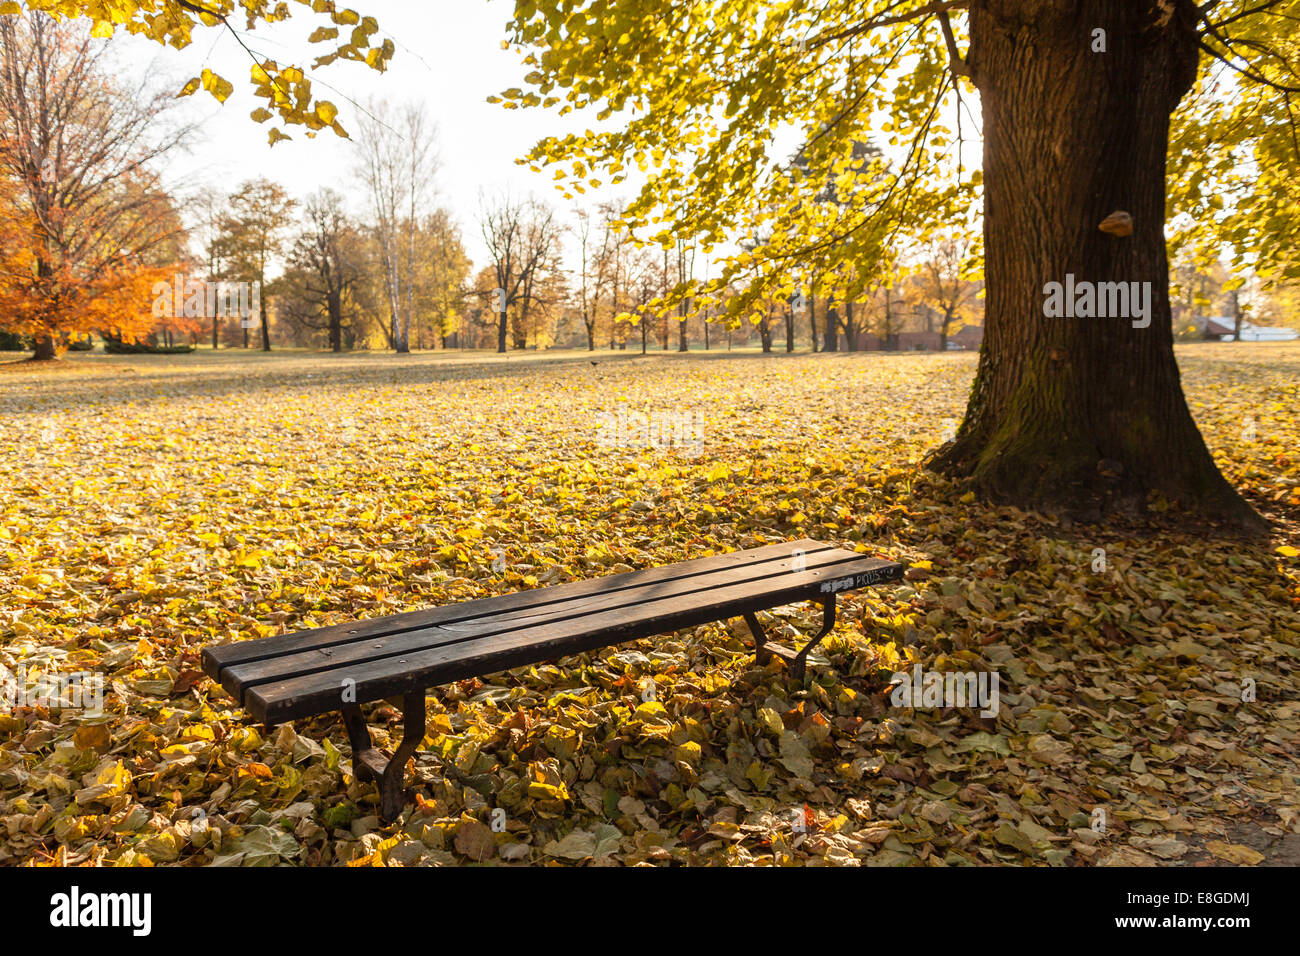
{"points": [[238, 678], [218, 657], [319, 692]]}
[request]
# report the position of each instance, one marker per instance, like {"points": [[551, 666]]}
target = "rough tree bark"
{"points": [[1082, 416], [46, 349]]}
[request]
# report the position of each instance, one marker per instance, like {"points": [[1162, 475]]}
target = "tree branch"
{"points": [[958, 65], [930, 9], [1246, 71]]}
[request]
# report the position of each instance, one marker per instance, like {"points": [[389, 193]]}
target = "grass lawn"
{"points": [[157, 504]]}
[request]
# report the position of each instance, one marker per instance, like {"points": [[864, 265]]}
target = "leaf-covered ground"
{"points": [[154, 505]]}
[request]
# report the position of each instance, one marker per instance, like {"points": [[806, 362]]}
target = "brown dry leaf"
{"points": [[93, 737], [475, 841]]}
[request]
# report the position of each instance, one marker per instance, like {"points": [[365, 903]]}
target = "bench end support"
{"points": [[797, 660], [369, 764]]}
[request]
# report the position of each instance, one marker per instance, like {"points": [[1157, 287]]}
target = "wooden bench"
{"points": [[313, 672]]}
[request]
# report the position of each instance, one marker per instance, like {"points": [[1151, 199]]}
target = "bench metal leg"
{"points": [[798, 660], [369, 764]]}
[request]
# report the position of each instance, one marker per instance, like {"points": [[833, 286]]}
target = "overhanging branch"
{"points": [[1249, 70], [887, 20], [958, 65]]}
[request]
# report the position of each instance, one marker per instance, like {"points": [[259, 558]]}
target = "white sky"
{"points": [[448, 55]]}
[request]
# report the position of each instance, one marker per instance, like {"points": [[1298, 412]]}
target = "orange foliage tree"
{"points": [[85, 226]]}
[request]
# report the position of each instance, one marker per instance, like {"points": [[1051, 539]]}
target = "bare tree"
{"points": [[322, 268], [210, 205], [644, 279], [598, 265], [523, 239], [398, 160]]}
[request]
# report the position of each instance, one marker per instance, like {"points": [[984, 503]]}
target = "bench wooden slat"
{"points": [[239, 677], [323, 691], [218, 657]]}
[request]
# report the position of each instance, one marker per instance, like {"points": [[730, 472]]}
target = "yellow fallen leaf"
{"points": [[1235, 853]]}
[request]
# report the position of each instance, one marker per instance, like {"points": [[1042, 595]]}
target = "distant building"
{"points": [[968, 337], [899, 342], [1220, 328], [1264, 333], [1215, 329]]}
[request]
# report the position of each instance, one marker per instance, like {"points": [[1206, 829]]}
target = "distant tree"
{"points": [[210, 207], [397, 163], [645, 284], [947, 277], [597, 262], [322, 267], [254, 233], [523, 240], [442, 270], [87, 228]]}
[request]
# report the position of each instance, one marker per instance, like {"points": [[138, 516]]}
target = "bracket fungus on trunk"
{"points": [[1118, 223]]}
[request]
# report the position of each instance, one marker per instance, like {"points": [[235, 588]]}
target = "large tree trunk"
{"points": [[46, 348], [830, 335], [1080, 415], [501, 331]]}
